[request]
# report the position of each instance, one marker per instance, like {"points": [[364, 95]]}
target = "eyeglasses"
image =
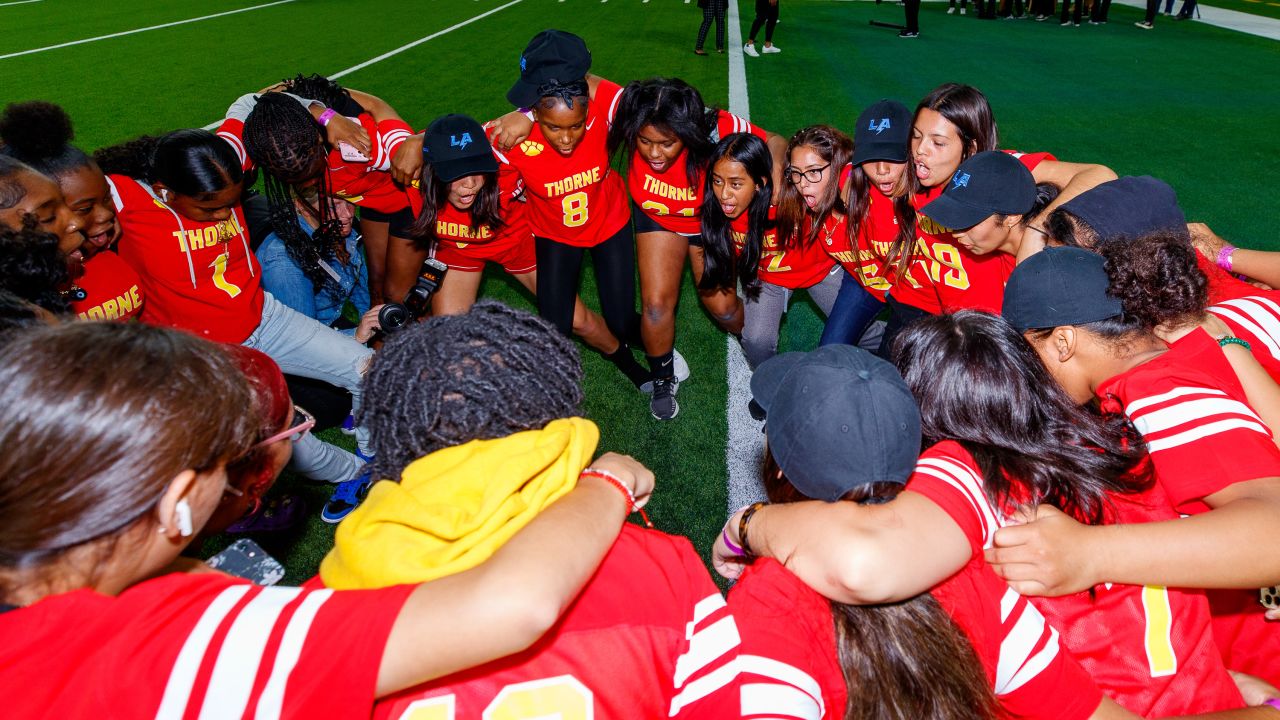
{"points": [[813, 175], [303, 421]]}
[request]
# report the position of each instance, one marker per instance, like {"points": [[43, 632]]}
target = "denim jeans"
{"points": [[318, 460], [763, 315], [282, 277], [853, 311], [302, 346]]}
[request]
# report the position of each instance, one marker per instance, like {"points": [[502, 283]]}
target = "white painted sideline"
{"points": [[18, 2], [744, 444], [145, 29], [402, 48], [1221, 17]]}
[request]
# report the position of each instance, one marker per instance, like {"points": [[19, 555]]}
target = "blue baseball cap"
{"points": [[1130, 207], [1059, 286], [837, 418], [988, 183], [456, 146]]}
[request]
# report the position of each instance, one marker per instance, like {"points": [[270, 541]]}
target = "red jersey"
{"points": [[1222, 284], [790, 666], [112, 289], [1200, 429], [200, 277], [1149, 648], [1255, 318], [577, 200], [801, 267], [649, 637], [667, 196], [943, 276], [866, 261], [368, 183], [188, 644]]}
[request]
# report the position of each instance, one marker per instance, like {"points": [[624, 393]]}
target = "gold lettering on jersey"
{"points": [[115, 308], [669, 191], [459, 230], [206, 237], [574, 182], [928, 226]]}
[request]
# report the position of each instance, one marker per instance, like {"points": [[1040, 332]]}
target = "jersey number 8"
{"points": [[575, 209]]}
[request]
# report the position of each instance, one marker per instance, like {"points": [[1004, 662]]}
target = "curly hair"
{"points": [[40, 133], [672, 106], [288, 144], [836, 149], [447, 380], [32, 267], [1156, 278]]}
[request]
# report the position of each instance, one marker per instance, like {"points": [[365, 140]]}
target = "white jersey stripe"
{"points": [[177, 691], [1141, 404], [970, 485], [240, 656], [710, 683], [789, 674], [1203, 431], [1264, 316], [271, 702], [235, 144], [705, 647], [1190, 411], [1246, 324], [778, 701], [1018, 645], [1008, 602], [703, 610], [1034, 665]]}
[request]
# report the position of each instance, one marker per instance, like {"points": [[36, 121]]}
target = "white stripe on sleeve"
{"points": [[1190, 412], [968, 484], [271, 702], [1137, 406], [231, 684], [705, 647], [778, 701], [1022, 654], [177, 691], [1260, 316], [1203, 431]]}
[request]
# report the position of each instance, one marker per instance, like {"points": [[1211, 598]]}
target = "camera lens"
{"points": [[393, 316]]}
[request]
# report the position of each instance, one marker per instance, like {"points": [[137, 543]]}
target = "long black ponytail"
{"points": [[720, 271]]}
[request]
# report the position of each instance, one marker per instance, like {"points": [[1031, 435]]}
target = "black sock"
{"points": [[626, 362], [662, 366]]}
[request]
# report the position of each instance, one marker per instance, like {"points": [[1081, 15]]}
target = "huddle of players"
{"points": [[746, 211]]}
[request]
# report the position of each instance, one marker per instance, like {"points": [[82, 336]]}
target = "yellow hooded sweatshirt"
{"points": [[454, 508]]}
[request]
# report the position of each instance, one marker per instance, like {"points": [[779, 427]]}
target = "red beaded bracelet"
{"points": [[622, 487]]}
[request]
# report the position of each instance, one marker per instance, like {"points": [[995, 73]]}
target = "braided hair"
{"points": [[289, 145], [450, 379], [321, 89], [566, 92]]}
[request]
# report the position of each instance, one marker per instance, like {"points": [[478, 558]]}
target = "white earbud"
{"points": [[183, 512], [164, 195]]}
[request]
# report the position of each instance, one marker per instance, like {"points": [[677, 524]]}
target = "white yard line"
{"points": [[744, 446], [140, 30], [18, 2], [402, 48]]}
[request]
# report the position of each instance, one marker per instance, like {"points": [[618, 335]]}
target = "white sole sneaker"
{"points": [[771, 49], [681, 367], [750, 50]]}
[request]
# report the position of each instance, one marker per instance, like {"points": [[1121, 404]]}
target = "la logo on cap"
{"points": [[880, 125], [460, 143], [960, 180], [523, 62]]}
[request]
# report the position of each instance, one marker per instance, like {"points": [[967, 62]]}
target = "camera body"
{"points": [[417, 302]]}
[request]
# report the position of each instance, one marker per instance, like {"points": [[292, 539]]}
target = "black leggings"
{"points": [[560, 268], [766, 15]]}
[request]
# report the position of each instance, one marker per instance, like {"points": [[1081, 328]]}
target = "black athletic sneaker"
{"points": [[663, 405]]}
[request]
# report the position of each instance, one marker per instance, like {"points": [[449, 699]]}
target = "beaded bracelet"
{"points": [[1231, 340], [743, 521], [615, 481], [326, 116]]}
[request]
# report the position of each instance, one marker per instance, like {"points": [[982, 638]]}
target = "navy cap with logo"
{"points": [[988, 183], [455, 146], [883, 132], [1130, 207], [550, 55], [1059, 286], [838, 418]]}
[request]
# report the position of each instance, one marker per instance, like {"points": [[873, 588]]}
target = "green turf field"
{"points": [[1192, 104]]}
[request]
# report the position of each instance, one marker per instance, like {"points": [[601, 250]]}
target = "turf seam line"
{"points": [[402, 48], [141, 30], [744, 445]]}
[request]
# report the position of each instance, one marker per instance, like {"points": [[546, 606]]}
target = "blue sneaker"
{"points": [[347, 496], [348, 426]]}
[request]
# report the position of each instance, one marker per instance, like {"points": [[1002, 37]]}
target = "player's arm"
{"points": [[1260, 265], [506, 604], [855, 554], [1072, 178], [1222, 548], [778, 150]]}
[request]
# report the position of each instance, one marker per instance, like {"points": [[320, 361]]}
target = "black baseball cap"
{"points": [[988, 183], [550, 55], [456, 146], [1059, 286], [837, 418], [882, 133], [1130, 206]]}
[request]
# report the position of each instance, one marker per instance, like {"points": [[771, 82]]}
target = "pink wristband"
{"points": [[1273, 702], [1224, 257], [326, 116], [724, 535]]}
